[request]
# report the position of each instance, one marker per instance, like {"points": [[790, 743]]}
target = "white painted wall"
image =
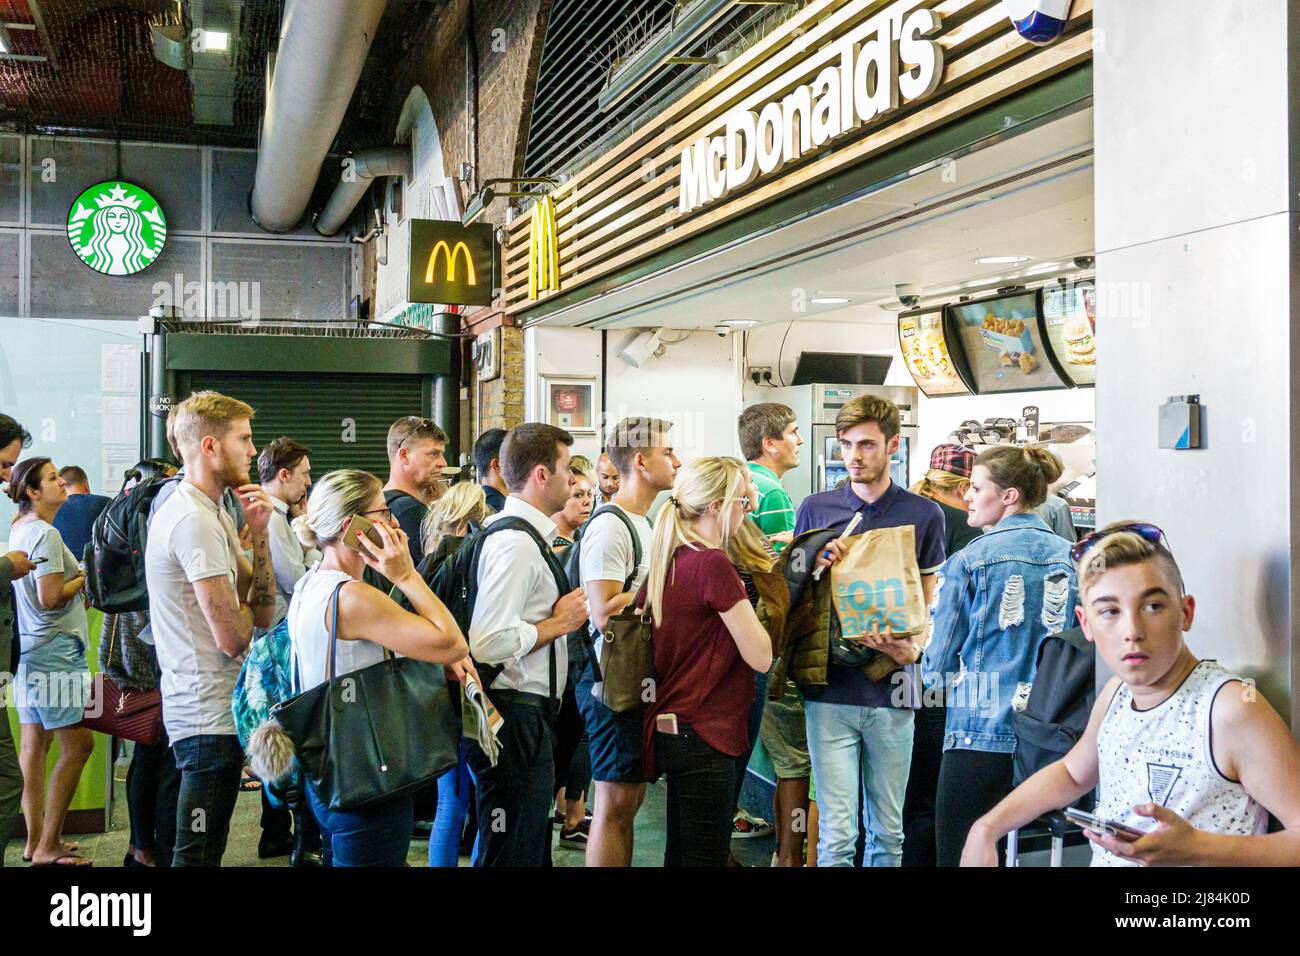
{"points": [[568, 353], [696, 385]]}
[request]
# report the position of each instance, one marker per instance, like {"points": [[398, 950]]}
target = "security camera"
{"points": [[500, 235], [1085, 262], [909, 295], [722, 331]]}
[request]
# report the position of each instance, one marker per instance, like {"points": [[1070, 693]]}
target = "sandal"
{"points": [[68, 848], [79, 861]]}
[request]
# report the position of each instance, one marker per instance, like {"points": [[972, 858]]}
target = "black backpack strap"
{"points": [[515, 523], [636, 538]]}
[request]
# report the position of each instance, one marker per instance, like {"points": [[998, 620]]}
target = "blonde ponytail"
{"points": [[698, 485]]}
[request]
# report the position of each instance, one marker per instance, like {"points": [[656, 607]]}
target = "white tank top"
{"points": [[1162, 755], [309, 631]]}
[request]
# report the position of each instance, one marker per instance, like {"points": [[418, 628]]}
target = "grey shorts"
{"points": [[785, 735], [53, 683]]}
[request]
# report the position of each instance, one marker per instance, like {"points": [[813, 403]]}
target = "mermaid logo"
{"points": [[116, 228]]}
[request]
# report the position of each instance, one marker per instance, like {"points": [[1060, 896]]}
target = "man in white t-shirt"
{"points": [[204, 600], [611, 577]]}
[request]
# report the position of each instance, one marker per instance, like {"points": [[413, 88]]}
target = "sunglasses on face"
{"points": [[1148, 532]]}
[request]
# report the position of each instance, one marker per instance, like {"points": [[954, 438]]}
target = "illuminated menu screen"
{"points": [[1070, 314], [925, 353], [1003, 344]]}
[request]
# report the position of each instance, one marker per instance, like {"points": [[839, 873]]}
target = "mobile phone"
{"points": [[666, 723], [1095, 823], [360, 525]]}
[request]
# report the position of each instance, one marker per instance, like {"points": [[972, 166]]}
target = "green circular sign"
{"points": [[116, 228]]}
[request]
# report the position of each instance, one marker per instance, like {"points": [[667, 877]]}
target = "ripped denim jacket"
{"points": [[994, 603]]}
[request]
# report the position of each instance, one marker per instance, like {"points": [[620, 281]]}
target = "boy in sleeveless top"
{"points": [[1178, 747]]}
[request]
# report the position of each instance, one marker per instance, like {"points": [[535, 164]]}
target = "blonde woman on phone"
{"points": [[368, 624], [708, 643]]}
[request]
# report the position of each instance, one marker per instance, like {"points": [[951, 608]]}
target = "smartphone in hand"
{"points": [[1095, 823], [360, 525]]}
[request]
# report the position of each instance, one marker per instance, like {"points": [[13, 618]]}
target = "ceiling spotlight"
{"points": [[215, 41], [1002, 260], [831, 300]]}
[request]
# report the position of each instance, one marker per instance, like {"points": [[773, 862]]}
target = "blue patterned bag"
{"points": [[263, 682]]}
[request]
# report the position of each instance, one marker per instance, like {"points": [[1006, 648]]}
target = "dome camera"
{"points": [[909, 295]]}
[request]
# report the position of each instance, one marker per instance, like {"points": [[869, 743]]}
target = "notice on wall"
{"points": [[119, 368], [117, 420], [115, 460]]}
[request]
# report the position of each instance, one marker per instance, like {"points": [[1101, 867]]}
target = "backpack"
{"points": [[114, 555], [581, 643], [1060, 703], [452, 574]]}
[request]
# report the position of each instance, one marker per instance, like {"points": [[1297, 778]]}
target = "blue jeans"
{"points": [[856, 749], [210, 767], [374, 836], [455, 791]]}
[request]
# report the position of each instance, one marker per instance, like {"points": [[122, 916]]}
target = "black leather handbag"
{"points": [[374, 734]]}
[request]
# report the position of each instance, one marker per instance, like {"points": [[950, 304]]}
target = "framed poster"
{"points": [[570, 403]]}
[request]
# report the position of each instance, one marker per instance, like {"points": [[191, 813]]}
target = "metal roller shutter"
{"points": [[343, 419]]}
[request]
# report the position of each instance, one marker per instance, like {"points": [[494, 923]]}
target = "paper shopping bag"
{"points": [[878, 582]]}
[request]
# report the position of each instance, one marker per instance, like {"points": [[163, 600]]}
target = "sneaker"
{"points": [[575, 839], [744, 826]]}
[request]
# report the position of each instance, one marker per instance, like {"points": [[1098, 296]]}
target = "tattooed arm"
{"points": [[260, 596]]}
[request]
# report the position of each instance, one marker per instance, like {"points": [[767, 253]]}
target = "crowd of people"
{"points": [[906, 759]]}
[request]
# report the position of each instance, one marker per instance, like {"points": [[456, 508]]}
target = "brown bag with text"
{"points": [[878, 582]]}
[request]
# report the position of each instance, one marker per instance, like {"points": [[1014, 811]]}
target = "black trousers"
{"points": [[923, 787], [153, 783], [971, 783], [572, 756], [701, 793], [514, 798]]}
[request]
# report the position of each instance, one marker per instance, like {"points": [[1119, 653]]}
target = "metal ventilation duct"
{"points": [[323, 46], [361, 169]]}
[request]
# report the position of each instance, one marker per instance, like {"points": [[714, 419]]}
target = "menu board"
{"points": [[925, 353], [1003, 344], [1070, 314]]}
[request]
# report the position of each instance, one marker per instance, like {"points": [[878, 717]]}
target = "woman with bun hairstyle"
{"points": [[994, 603], [368, 624], [708, 643]]}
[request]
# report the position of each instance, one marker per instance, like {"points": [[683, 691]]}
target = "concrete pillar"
{"points": [[1196, 218]]}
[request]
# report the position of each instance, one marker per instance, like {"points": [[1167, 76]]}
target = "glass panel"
{"points": [[75, 386], [11, 179]]}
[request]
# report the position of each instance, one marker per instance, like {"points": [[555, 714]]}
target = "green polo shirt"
{"points": [[775, 511]]}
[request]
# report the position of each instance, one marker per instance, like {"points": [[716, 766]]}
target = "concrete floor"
{"points": [[107, 849]]}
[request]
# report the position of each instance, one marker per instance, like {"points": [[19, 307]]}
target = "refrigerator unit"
{"points": [[815, 407]]}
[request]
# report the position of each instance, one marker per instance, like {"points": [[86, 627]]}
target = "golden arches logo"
{"points": [[543, 249], [452, 254]]}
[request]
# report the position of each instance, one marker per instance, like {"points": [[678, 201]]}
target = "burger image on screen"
{"points": [[1079, 341]]}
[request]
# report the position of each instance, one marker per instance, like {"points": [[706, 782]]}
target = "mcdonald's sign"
{"points": [[543, 249], [451, 264]]}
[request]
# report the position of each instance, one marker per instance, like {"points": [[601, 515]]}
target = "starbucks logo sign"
{"points": [[116, 228]]}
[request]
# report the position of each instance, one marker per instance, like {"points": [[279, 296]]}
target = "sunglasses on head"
{"points": [[1148, 532]]}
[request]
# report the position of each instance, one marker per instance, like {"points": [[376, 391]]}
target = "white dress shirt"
{"points": [[516, 590], [288, 560]]}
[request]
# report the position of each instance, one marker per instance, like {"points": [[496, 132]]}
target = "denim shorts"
{"points": [[614, 739], [53, 683]]}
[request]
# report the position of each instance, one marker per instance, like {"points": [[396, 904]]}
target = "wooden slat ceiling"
{"points": [[623, 206]]}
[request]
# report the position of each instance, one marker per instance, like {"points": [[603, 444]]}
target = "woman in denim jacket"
{"points": [[994, 603]]}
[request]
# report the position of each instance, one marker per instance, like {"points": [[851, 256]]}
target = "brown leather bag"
{"points": [[128, 714], [627, 660]]}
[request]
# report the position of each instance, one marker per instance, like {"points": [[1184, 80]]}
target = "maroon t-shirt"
{"points": [[699, 673]]}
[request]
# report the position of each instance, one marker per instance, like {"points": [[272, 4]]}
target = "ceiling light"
{"points": [[215, 40], [740, 323], [831, 300], [4, 40], [1002, 260]]}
